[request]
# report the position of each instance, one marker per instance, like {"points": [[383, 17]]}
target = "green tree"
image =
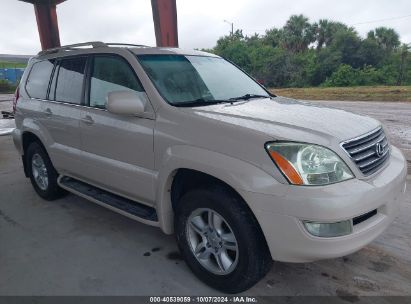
{"points": [[273, 37], [327, 61], [298, 34], [328, 53], [402, 74], [348, 44], [235, 49], [325, 31], [344, 76], [370, 53], [387, 38]]}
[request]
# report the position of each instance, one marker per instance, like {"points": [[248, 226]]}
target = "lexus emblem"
{"points": [[379, 149]]}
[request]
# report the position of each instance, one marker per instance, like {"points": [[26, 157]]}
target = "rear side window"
{"points": [[39, 78], [110, 73], [70, 79]]}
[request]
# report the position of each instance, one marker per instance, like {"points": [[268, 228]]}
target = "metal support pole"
{"points": [[165, 22], [46, 17], [47, 25]]}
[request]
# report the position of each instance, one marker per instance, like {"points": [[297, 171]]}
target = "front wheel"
{"points": [[220, 239]]}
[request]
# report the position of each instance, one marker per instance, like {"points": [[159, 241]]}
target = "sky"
{"points": [[200, 23]]}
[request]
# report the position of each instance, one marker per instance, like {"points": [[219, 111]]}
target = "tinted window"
{"points": [[70, 80], [110, 73], [38, 80]]}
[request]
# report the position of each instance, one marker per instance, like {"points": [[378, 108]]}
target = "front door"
{"points": [[118, 149]]}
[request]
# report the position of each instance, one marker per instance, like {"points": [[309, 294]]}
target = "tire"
{"points": [[39, 163], [250, 258]]}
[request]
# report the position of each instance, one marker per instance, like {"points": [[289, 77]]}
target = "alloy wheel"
{"points": [[212, 241], [39, 170]]}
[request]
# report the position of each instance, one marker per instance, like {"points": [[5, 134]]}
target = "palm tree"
{"points": [[387, 38], [322, 29], [298, 33], [325, 31]]}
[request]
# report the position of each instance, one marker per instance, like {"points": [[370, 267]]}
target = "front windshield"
{"points": [[187, 79]]}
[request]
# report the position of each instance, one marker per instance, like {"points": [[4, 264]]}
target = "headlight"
{"points": [[305, 164]]}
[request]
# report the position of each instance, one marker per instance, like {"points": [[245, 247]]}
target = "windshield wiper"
{"points": [[201, 102], [207, 102], [249, 96]]}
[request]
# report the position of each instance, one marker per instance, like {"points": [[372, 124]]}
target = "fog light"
{"points": [[329, 229]]}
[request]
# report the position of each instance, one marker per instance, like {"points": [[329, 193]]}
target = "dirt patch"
{"points": [[8, 219], [175, 256], [377, 93], [365, 284]]}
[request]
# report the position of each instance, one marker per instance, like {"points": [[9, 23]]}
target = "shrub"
{"points": [[344, 76], [6, 87], [367, 76]]}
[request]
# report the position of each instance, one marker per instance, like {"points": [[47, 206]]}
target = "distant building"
{"points": [[12, 75]]}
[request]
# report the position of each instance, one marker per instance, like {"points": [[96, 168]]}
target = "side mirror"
{"points": [[126, 102]]}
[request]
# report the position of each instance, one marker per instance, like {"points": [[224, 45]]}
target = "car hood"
{"points": [[278, 116]]}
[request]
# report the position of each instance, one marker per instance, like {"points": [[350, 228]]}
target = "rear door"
{"points": [[62, 112], [118, 149]]}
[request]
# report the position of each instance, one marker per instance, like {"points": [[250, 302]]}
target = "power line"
{"points": [[380, 20], [360, 23]]}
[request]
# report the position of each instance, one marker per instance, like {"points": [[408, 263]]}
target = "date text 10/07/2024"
{"points": [[223, 299]]}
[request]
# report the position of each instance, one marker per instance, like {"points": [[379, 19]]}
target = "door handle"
{"points": [[48, 112], [87, 120]]}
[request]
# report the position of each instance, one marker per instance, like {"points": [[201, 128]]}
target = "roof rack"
{"points": [[127, 44], [92, 44], [71, 47]]}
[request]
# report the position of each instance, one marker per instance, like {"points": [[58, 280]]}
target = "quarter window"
{"points": [[39, 78], [70, 80], [110, 73]]}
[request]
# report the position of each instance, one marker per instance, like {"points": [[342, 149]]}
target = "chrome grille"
{"points": [[369, 152]]}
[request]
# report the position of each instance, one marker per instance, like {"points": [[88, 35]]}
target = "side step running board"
{"points": [[108, 199]]}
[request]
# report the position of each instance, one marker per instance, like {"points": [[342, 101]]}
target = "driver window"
{"points": [[110, 73]]}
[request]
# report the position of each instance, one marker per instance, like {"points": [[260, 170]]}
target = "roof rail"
{"points": [[126, 44], [93, 44]]}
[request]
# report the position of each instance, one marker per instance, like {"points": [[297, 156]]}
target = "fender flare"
{"points": [[31, 126], [238, 174]]}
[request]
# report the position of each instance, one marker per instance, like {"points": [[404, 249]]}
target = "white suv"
{"points": [[186, 141]]}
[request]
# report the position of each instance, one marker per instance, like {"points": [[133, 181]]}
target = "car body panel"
{"points": [[62, 122], [118, 153], [280, 216]]}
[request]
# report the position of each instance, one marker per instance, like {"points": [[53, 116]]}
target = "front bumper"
{"points": [[281, 217]]}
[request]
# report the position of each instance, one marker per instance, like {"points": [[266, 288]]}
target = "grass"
{"points": [[11, 65], [377, 93]]}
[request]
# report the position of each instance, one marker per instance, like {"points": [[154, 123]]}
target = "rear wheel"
{"points": [[42, 174], [220, 239]]}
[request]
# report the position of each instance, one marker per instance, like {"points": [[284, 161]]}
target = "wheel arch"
{"points": [[29, 137], [193, 166]]}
